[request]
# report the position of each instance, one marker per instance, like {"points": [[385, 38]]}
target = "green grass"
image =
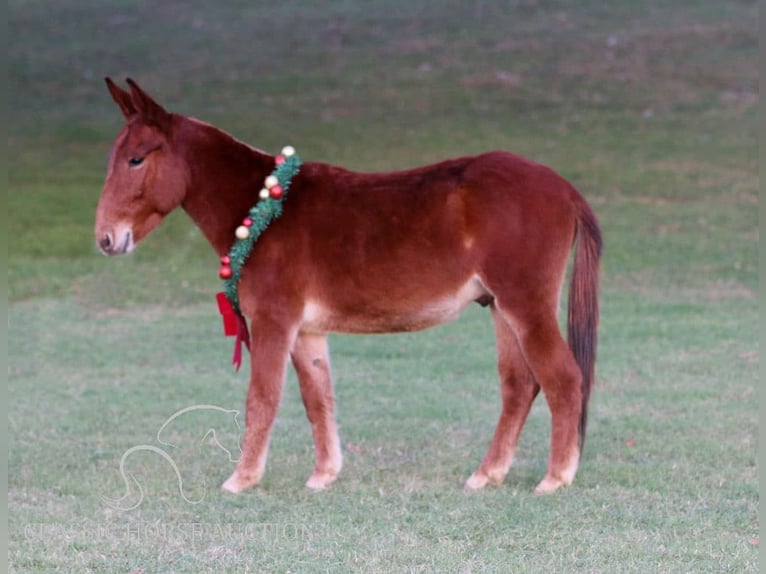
{"points": [[649, 108]]}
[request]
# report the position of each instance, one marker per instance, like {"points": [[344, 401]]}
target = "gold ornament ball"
{"points": [[271, 181], [242, 232], [288, 150], [264, 194]]}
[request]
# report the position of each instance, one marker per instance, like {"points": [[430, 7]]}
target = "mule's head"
{"points": [[145, 179]]}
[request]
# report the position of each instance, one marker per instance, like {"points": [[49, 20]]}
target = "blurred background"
{"points": [[641, 105]]}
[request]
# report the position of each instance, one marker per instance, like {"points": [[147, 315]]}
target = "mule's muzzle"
{"points": [[109, 245], [106, 242]]}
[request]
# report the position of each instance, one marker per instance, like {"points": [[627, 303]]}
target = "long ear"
{"points": [[151, 112], [121, 98]]}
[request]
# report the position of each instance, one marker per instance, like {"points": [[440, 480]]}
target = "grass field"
{"points": [[649, 108]]}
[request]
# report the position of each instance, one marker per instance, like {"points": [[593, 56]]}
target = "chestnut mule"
{"points": [[375, 253]]}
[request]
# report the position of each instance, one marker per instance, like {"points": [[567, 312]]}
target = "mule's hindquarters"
{"points": [[532, 353]]}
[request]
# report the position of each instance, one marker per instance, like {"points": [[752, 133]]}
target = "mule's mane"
{"points": [[224, 134], [218, 204]]}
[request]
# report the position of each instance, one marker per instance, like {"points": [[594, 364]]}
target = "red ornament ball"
{"points": [[247, 222], [224, 272], [280, 159], [276, 191], [225, 260]]}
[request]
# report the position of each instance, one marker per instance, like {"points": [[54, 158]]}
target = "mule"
{"points": [[376, 253]]}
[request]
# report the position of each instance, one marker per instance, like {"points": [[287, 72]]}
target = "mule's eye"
{"points": [[134, 161]]}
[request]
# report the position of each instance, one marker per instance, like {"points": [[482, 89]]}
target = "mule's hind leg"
{"points": [[312, 363], [518, 389], [556, 371]]}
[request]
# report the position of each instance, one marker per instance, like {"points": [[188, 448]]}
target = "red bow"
{"points": [[234, 325]]}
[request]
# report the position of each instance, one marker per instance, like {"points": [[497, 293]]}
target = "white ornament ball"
{"points": [[264, 194], [288, 150], [271, 181], [242, 232]]}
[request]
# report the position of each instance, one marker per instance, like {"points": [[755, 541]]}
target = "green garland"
{"points": [[260, 216]]}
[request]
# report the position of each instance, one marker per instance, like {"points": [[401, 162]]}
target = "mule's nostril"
{"points": [[106, 242]]}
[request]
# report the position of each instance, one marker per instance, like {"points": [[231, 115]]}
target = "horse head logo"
{"points": [[228, 425]]}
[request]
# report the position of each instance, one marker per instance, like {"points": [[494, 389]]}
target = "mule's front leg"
{"points": [[270, 349], [312, 363]]}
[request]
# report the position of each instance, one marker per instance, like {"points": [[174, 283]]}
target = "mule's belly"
{"points": [[390, 316]]}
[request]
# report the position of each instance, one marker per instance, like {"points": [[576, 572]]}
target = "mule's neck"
{"points": [[225, 177]]}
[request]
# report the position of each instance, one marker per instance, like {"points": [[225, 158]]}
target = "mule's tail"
{"points": [[582, 319]]}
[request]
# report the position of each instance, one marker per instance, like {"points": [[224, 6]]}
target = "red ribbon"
{"points": [[234, 325], [243, 336]]}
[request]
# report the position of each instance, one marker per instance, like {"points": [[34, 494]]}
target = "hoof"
{"points": [[549, 485], [480, 479], [235, 484], [321, 480], [477, 481]]}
